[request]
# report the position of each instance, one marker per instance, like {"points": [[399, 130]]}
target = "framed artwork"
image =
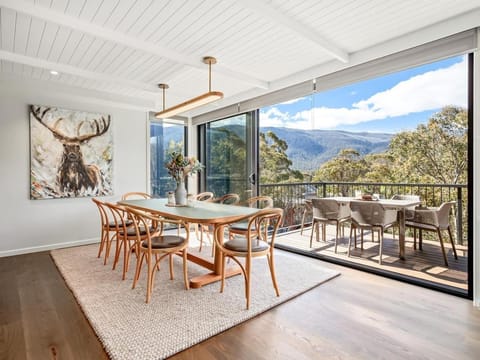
{"points": [[70, 153]]}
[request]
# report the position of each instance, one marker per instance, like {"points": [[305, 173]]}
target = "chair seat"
{"points": [[133, 232], [113, 225], [164, 242], [419, 225], [241, 245], [367, 225], [241, 226]]}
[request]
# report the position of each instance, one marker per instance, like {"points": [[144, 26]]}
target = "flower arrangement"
{"points": [[179, 166]]}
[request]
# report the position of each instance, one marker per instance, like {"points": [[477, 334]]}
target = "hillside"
{"points": [[308, 149]]}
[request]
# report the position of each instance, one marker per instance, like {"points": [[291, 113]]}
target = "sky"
{"points": [[391, 103]]}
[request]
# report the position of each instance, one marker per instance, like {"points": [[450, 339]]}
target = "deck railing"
{"points": [[291, 197]]}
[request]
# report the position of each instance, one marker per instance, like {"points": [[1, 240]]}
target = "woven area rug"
{"points": [[175, 318]]}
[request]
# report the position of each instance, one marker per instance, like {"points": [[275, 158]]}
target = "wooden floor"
{"points": [[354, 316], [426, 264]]}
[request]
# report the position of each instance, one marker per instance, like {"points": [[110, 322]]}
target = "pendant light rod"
{"points": [[209, 60], [164, 87]]}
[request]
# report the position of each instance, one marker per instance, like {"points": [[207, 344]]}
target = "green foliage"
{"points": [[180, 166], [227, 153], [227, 160], [348, 165], [275, 166], [435, 152]]}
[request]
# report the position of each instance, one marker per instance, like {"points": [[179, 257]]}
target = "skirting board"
{"points": [[48, 247]]}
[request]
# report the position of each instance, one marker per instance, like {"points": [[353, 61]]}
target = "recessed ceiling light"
{"points": [[53, 72]]}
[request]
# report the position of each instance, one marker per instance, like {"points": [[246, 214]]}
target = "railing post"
{"points": [[459, 216]]}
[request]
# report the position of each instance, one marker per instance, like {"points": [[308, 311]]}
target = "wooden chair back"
{"points": [[260, 202], [253, 246], [230, 199], [204, 196], [136, 195]]}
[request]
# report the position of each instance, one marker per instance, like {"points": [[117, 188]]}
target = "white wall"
{"points": [[37, 225]]}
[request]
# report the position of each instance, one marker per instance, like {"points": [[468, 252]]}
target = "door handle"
{"points": [[251, 179]]}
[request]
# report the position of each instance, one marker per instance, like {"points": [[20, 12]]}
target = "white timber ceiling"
{"points": [[125, 48]]}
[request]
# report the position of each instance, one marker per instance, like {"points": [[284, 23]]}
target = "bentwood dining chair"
{"points": [[227, 199], [204, 196], [136, 195], [251, 246], [328, 211], [126, 235], [200, 229], [369, 215], [241, 228], [154, 247], [436, 220], [140, 195], [108, 229]]}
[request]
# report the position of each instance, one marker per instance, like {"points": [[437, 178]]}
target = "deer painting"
{"points": [[74, 177]]}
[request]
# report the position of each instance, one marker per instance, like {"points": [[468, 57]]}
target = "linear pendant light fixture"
{"points": [[195, 102]]}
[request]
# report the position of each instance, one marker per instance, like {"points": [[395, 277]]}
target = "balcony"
{"points": [[425, 266]]}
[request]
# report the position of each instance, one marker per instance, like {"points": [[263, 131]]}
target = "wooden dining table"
{"points": [[200, 212], [399, 205]]}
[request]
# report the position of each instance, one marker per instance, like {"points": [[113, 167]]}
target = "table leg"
{"points": [[216, 266], [401, 235]]}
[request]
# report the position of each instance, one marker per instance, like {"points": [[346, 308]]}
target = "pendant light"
{"points": [[198, 101]]}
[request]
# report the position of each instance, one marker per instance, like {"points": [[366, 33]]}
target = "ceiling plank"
{"points": [[22, 28], [268, 11], [7, 22], [120, 38], [49, 36], [72, 70]]}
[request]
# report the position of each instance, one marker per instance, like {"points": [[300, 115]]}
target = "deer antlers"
{"points": [[100, 127]]}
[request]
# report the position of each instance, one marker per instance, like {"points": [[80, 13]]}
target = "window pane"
{"points": [[405, 133], [164, 138]]}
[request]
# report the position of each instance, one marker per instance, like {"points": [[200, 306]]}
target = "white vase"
{"points": [[181, 193]]}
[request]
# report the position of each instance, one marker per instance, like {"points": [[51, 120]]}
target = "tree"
{"points": [[226, 161], [347, 166], [379, 168], [275, 166], [435, 152]]}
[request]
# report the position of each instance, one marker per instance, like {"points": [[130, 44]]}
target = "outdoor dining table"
{"points": [[199, 212], [399, 205]]}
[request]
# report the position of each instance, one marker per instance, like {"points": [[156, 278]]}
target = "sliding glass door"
{"points": [[230, 156]]}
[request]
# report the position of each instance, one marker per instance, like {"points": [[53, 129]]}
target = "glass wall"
{"points": [[401, 133], [165, 137]]}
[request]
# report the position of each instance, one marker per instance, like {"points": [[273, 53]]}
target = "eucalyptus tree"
{"points": [[435, 152]]}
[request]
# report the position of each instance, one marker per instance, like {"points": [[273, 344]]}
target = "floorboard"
{"points": [[354, 316]]}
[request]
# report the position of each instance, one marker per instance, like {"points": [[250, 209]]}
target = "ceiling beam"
{"points": [[123, 39], [13, 84], [72, 70], [266, 10]]}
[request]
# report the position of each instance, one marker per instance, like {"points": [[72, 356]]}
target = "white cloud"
{"points": [[429, 91]]}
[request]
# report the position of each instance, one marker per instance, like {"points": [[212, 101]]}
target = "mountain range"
{"points": [[309, 149]]}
